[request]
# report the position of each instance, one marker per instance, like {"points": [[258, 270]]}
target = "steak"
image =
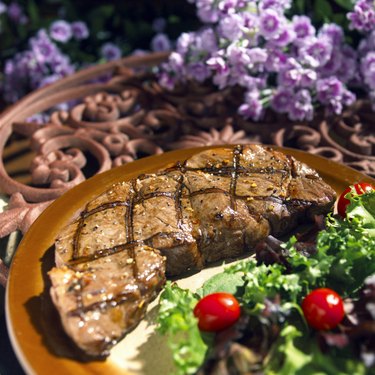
{"points": [[218, 204]]}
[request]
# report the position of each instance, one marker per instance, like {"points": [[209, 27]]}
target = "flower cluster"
{"points": [[56, 49], [41, 64], [44, 62], [363, 20], [282, 63]]}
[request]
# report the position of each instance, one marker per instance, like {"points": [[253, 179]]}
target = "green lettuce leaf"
{"points": [[176, 320]]}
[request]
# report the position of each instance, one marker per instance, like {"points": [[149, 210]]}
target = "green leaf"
{"points": [[346, 4], [33, 12], [286, 358], [176, 320], [222, 282], [323, 10]]}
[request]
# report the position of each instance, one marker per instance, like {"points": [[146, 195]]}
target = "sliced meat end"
{"points": [[100, 301]]}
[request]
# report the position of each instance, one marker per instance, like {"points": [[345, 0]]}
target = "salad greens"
{"points": [[177, 320], [343, 257]]}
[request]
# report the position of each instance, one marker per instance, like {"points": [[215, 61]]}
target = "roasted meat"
{"points": [[215, 205]]}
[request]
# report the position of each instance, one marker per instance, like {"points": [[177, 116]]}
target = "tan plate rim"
{"points": [[26, 341]]}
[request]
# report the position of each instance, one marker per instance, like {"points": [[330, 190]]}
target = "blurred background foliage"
{"points": [[128, 24]]}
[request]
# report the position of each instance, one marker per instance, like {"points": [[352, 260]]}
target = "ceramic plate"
{"points": [[34, 327]]}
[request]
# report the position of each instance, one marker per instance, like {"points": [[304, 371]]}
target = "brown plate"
{"points": [[33, 324]]}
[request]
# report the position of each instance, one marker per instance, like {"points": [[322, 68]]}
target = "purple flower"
{"points": [[252, 108], [308, 78], [43, 48], [80, 30], [230, 26], [281, 100], [237, 56], [270, 24], [230, 6], [332, 65], [15, 13], [348, 98], [368, 69], [257, 55], [220, 70], [167, 80], [368, 63], [176, 62], [250, 21], [332, 93], [61, 65], [349, 66], [198, 71], [328, 89], [348, 69], [363, 17], [316, 51], [222, 79], [160, 42], [218, 64], [207, 12], [110, 51], [290, 74], [333, 32], [301, 108], [252, 83], [60, 31], [302, 27], [208, 40], [3, 7], [276, 59], [172, 71], [286, 36], [184, 41], [279, 5]]}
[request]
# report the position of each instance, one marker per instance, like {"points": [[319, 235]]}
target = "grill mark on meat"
{"points": [[208, 191], [129, 225], [77, 234], [103, 207], [117, 300], [237, 151], [81, 224], [102, 253], [177, 200], [223, 170]]}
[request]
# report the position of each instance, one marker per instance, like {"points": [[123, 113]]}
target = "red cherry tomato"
{"points": [[323, 309], [217, 311], [360, 188]]}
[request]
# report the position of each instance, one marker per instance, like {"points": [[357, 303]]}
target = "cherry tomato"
{"points": [[360, 188], [323, 309], [217, 311]]}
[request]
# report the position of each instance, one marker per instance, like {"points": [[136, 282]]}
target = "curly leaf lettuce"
{"points": [[177, 321], [296, 354]]}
